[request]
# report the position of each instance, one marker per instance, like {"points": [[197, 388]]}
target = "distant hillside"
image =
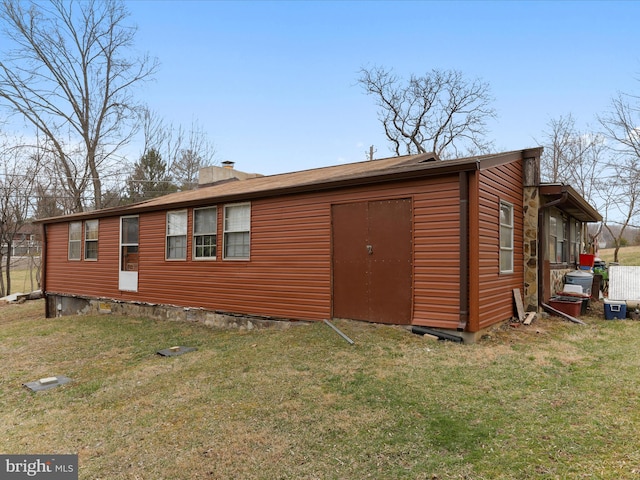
{"points": [[626, 255]]}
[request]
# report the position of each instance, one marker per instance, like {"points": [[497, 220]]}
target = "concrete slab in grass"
{"points": [[175, 351], [47, 383]]}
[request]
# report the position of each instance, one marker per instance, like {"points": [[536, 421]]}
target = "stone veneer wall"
{"points": [[62, 305], [557, 279], [531, 205]]}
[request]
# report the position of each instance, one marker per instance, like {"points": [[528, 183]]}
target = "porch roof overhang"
{"points": [[573, 204]]}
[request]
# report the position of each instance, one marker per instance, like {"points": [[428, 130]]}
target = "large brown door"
{"points": [[372, 270]]}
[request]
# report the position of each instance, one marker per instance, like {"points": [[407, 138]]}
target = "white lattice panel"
{"points": [[624, 282]]}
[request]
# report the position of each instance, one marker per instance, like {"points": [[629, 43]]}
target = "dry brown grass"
{"points": [[552, 400], [626, 255]]}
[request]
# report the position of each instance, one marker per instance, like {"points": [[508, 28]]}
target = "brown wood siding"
{"points": [[85, 277], [289, 272], [494, 290], [437, 254]]}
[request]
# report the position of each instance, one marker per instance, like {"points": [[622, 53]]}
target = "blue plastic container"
{"points": [[615, 309]]}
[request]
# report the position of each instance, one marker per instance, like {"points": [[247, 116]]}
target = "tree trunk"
{"points": [[1, 278], [8, 267]]}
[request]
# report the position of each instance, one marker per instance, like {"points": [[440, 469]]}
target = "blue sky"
{"points": [[274, 83]]}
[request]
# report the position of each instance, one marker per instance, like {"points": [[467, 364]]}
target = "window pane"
{"points": [[506, 261], [177, 247], [75, 231], [506, 237], [237, 224], [236, 245], [205, 246], [129, 259], [130, 230], [506, 240], [205, 220], [237, 218], [91, 230], [74, 250], [560, 255], [91, 240], [91, 250], [75, 240], [176, 223], [505, 215]]}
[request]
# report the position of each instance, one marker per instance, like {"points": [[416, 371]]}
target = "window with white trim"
{"points": [[205, 238], [576, 241], [75, 240], [237, 231], [91, 240], [506, 237], [129, 248], [558, 240], [177, 235]]}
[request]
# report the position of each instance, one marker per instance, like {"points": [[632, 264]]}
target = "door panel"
{"points": [[350, 279], [372, 261], [390, 278]]}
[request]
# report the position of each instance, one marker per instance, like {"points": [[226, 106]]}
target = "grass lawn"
{"points": [[551, 400], [626, 255], [21, 280]]}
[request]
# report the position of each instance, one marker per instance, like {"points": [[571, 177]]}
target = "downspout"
{"points": [[43, 270], [542, 253], [464, 251]]}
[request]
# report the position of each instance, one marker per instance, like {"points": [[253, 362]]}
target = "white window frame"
{"points": [[576, 241], [559, 243], [232, 230], [176, 230], [74, 251], [506, 233], [564, 245], [553, 238], [91, 241], [203, 234], [129, 255]]}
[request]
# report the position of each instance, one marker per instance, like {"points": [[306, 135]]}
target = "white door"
{"points": [[128, 278]]}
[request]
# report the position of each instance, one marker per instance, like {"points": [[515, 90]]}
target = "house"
{"points": [[409, 240], [24, 242]]}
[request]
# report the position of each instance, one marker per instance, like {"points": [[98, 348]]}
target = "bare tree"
{"points": [[71, 76], [439, 112], [17, 180], [575, 157], [196, 151], [621, 127], [580, 159], [186, 168], [555, 164], [185, 151], [621, 200]]}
